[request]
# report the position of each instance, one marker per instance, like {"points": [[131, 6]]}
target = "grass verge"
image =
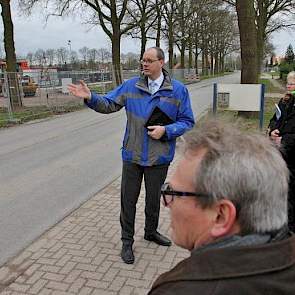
{"points": [[251, 123], [269, 86], [101, 89], [205, 77], [26, 114]]}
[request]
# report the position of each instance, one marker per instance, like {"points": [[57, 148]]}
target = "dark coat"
{"points": [[286, 126], [262, 269]]}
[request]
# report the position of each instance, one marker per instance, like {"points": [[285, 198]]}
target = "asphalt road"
{"points": [[49, 168]]}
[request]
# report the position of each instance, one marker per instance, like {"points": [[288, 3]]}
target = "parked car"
{"points": [[29, 86]]}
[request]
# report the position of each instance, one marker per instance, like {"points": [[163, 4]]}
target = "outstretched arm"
{"points": [[80, 90], [109, 103]]}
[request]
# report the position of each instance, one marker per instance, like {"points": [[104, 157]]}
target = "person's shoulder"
{"points": [[178, 84], [127, 84], [131, 81], [179, 88]]}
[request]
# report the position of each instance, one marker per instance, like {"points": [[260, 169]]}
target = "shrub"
{"points": [[285, 68]]}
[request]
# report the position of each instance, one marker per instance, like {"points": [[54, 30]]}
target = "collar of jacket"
{"points": [[233, 262], [142, 83]]}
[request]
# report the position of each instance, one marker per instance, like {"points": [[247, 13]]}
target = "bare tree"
{"points": [[142, 14], [169, 19], [30, 58], [184, 12], [2, 53], [269, 49], [158, 27], [205, 29], [92, 57], [194, 25], [130, 60], [248, 39], [39, 57], [8, 36], [74, 58], [84, 53], [270, 16], [104, 55], [10, 53], [62, 55], [223, 32], [109, 14], [50, 54]]}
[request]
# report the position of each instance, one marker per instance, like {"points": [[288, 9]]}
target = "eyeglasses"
{"points": [[168, 194], [148, 61]]}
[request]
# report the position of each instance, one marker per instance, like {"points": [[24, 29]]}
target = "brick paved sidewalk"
{"points": [[81, 254]]}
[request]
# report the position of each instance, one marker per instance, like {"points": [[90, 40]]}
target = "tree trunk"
{"points": [[8, 36], [10, 55], [196, 62], [206, 58], [216, 67], [182, 54], [143, 40], [204, 69], [159, 25], [116, 59], [248, 40], [190, 54], [221, 62], [196, 53], [261, 21], [170, 46], [182, 57], [260, 52]]}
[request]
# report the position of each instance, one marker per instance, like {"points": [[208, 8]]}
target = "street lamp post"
{"points": [[70, 50]]}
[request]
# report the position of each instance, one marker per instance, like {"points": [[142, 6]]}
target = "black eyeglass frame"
{"points": [[166, 190], [148, 61]]}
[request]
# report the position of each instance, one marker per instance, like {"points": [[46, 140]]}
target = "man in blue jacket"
{"points": [[147, 150]]}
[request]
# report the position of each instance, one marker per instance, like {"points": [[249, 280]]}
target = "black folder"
{"points": [[158, 117]]}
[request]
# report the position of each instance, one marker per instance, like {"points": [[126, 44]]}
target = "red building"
{"points": [[22, 64]]}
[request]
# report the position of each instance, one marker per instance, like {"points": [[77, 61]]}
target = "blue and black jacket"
{"points": [[172, 98]]}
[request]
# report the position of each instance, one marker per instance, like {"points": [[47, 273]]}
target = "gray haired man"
{"points": [[228, 206]]}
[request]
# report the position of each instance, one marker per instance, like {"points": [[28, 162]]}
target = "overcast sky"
{"points": [[31, 34]]}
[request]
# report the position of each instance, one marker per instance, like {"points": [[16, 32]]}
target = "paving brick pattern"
{"points": [[81, 254]]}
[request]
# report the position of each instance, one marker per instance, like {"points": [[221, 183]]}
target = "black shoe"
{"points": [[158, 239], [127, 254]]}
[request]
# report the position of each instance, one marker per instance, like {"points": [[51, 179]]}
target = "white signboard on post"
{"points": [[242, 97], [64, 83], [239, 97]]}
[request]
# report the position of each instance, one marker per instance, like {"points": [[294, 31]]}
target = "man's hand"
{"points": [[80, 90], [156, 132]]}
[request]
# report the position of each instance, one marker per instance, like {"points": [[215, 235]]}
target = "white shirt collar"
{"points": [[158, 81]]}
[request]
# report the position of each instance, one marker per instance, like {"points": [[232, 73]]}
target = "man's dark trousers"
{"points": [[132, 175]]}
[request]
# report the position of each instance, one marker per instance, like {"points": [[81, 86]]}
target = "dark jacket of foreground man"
{"points": [[249, 270]]}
